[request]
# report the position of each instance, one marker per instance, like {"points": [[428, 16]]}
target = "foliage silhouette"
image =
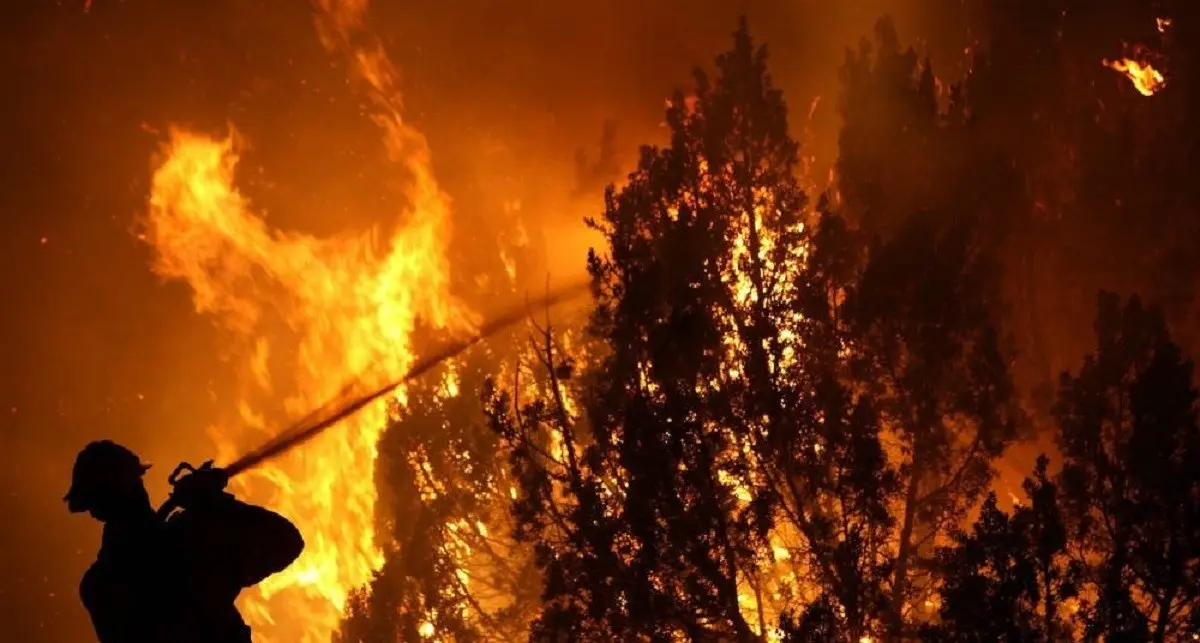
{"points": [[1130, 444], [1009, 579]]}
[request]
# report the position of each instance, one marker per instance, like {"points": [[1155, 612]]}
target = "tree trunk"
{"points": [[900, 579], [1050, 605], [758, 600], [1174, 571]]}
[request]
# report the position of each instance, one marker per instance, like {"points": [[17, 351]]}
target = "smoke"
{"points": [[531, 108]]}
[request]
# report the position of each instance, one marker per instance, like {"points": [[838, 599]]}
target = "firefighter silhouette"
{"points": [[172, 575]]}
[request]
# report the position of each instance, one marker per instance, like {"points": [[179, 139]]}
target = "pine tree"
{"points": [[450, 567], [834, 479], [925, 315], [892, 147], [1130, 443], [930, 356], [1009, 579], [720, 441]]}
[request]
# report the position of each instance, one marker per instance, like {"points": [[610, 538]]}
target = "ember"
{"points": [[1145, 78]]}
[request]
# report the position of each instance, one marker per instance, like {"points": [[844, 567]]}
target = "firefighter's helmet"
{"points": [[102, 468]]}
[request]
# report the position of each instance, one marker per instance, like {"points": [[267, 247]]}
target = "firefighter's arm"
{"points": [[252, 543], [260, 542]]}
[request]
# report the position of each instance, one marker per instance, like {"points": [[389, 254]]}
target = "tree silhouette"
{"points": [[1130, 443], [891, 145], [713, 449], [450, 566], [1116, 537], [826, 461], [929, 354], [1009, 579], [726, 432], [682, 545]]}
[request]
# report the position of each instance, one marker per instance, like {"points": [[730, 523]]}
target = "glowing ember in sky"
{"points": [[1146, 79]]}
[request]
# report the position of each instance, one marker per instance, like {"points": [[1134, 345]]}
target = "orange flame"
{"points": [[346, 304], [350, 308], [1146, 79]]}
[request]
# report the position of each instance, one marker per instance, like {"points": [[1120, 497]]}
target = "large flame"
{"points": [[310, 314]]}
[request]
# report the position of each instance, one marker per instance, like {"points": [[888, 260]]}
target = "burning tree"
{"points": [[727, 466], [453, 570], [649, 517]]}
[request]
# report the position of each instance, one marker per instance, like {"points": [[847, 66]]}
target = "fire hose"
{"points": [[185, 478]]}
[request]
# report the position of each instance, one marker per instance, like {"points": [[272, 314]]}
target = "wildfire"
{"points": [[1146, 79], [319, 311]]}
